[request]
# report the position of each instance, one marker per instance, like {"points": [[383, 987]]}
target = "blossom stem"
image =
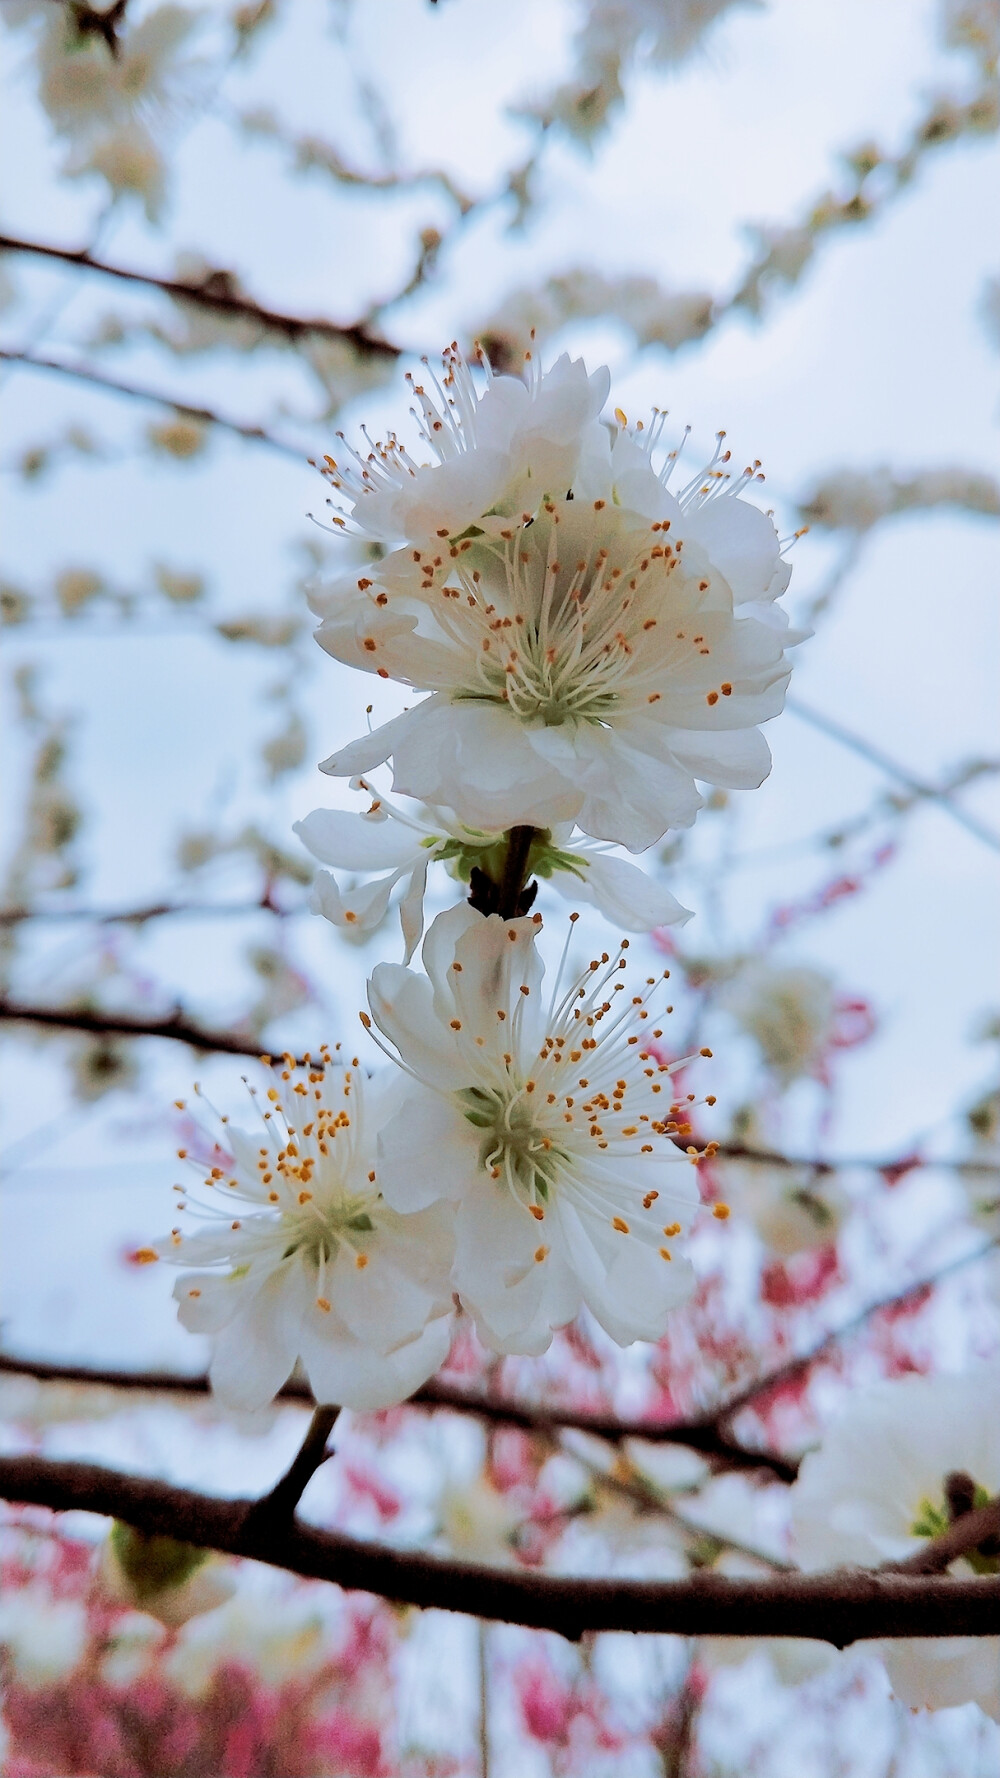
{"points": [[514, 871], [509, 897], [284, 1497]]}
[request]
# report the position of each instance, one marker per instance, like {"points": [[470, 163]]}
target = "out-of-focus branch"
{"points": [[83, 373], [702, 1435], [219, 293], [157, 910], [839, 1607], [892, 769], [706, 1433], [794, 1367], [176, 1027]]}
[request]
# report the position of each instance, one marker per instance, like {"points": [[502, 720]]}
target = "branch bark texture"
{"points": [[839, 1607]]}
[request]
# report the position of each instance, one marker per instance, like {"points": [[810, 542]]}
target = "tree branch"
{"points": [[702, 1436], [218, 292], [281, 1502], [838, 1607], [82, 373], [883, 763], [705, 1433], [177, 1028]]}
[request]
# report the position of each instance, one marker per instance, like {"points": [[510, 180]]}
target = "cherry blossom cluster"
{"points": [[594, 637]]}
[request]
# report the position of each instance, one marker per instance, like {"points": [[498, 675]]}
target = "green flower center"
{"points": [[316, 1229], [960, 1495], [515, 1149], [488, 853]]}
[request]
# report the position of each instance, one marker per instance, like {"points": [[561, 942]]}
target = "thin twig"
{"points": [[281, 1502], [176, 1028], [82, 373], [839, 1607], [892, 769], [157, 910], [218, 293], [702, 1436]]}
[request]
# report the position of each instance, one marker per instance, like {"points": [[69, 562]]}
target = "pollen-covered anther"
{"points": [[721, 1212]]}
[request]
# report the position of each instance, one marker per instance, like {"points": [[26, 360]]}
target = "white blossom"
{"points": [[587, 660], [547, 1128], [87, 91], [891, 1471], [791, 1210], [789, 1011], [403, 845], [669, 30], [129, 160], [313, 1265], [496, 451]]}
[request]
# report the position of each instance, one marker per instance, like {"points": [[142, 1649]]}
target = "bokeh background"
{"points": [[770, 218]]}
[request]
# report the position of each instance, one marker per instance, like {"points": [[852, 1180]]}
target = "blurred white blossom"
{"points": [[788, 1011], [899, 1464]]}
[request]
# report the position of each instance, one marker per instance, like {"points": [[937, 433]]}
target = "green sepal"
{"points": [[153, 1564]]}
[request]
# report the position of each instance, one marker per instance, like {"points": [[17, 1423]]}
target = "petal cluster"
{"points": [[548, 1125], [300, 1258], [395, 847], [592, 642], [902, 1461]]}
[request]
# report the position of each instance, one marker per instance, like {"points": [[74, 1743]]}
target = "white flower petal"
{"points": [[625, 895], [358, 842], [428, 1151], [349, 1374], [362, 907]]}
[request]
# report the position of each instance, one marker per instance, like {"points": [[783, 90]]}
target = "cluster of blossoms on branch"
{"points": [[592, 643]]}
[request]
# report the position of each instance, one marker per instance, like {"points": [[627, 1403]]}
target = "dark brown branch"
{"points": [[702, 1436], [176, 1028], [280, 1504], [218, 293], [82, 373], [839, 1607], [707, 1433], [156, 910]]}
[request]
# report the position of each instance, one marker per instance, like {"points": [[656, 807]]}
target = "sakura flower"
{"points": [[313, 1265], [587, 658], [403, 846], [496, 452], [790, 1013], [547, 1129], [903, 1461]]}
